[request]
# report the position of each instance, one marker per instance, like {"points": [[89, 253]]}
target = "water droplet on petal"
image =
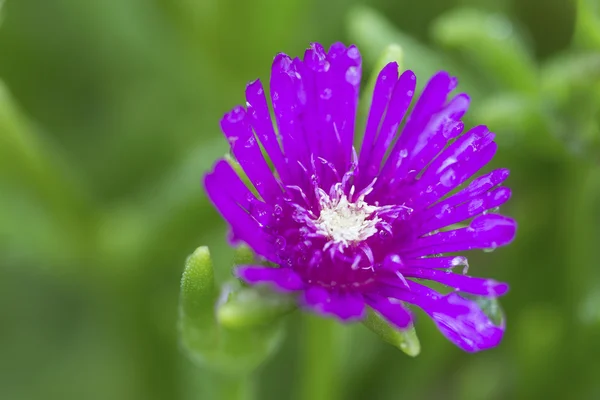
{"points": [[280, 243], [353, 75], [326, 94], [448, 178], [353, 53], [446, 209], [474, 206]]}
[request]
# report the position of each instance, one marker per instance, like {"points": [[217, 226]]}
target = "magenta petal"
{"points": [[461, 320], [284, 279], [437, 262], [345, 306], [484, 232], [391, 309], [442, 214], [478, 187], [386, 81], [229, 202], [463, 283], [396, 110], [247, 151], [464, 323], [260, 118]]}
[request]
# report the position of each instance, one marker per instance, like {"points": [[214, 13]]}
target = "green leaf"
{"points": [[587, 24], [373, 34], [406, 340], [492, 41]]}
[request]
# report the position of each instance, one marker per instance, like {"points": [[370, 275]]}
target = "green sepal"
{"points": [[404, 339], [249, 307]]}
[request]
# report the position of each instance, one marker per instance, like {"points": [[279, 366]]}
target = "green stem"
{"points": [[237, 388], [319, 368]]}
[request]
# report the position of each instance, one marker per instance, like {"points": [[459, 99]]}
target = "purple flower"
{"points": [[348, 231]]}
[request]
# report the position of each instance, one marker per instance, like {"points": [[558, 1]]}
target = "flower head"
{"points": [[347, 231]]}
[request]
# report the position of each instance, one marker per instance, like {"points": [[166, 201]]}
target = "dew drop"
{"points": [[353, 53], [448, 178], [409, 93], [452, 127], [326, 95], [353, 75], [474, 206], [445, 210], [251, 142], [403, 153], [236, 115], [280, 243]]}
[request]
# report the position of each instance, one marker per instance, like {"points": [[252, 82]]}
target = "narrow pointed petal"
{"points": [[345, 306], [390, 309], [386, 80], [461, 320], [260, 119], [247, 151], [462, 283], [485, 232], [230, 204], [284, 279], [442, 214], [397, 108]]}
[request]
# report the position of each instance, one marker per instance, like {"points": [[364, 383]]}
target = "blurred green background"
{"points": [[109, 115]]}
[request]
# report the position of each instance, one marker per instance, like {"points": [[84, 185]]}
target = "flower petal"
{"points": [[462, 321], [235, 202], [332, 83], [442, 214], [431, 100], [260, 118], [386, 81], [390, 309], [462, 283], [345, 306], [478, 187], [289, 98], [485, 232], [284, 279], [396, 110], [247, 151]]}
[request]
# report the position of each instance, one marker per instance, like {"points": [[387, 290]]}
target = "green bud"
{"points": [[198, 292], [211, 341], [404, 339]]}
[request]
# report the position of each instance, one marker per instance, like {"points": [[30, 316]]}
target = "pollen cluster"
{"points": [[345, 222]]}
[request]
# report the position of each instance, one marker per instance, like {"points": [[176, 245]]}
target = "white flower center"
{"points": [[345, 222]]}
